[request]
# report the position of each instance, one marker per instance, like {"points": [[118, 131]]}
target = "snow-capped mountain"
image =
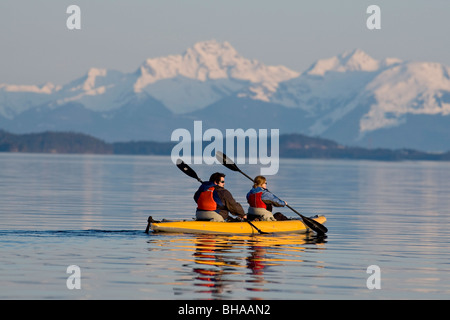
{"points": [[352, 98], [15, 99], [204, 74]]}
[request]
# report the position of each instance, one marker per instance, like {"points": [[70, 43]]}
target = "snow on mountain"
{"points": [[210, 60], [390, 89], [182, 95], [15, 99], [350, 97], [99, 90], [356, 60], [410, 88], [329, 85], [203, 74], [209, 71], [47, 88]]}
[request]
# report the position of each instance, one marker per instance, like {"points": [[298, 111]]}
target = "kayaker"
{"points": [[214, 202], [261, 201], [229, 204]]}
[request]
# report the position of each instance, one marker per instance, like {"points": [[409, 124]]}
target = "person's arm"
{"points": [[231, 205], [197, 195], [272, 199]]}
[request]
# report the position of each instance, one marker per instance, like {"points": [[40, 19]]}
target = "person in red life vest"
{"points": [[214, 202], [261, 201]]}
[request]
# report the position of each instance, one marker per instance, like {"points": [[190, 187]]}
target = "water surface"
{"points": [[91, 211]]}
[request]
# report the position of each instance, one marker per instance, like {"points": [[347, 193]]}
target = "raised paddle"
{"points": [[191, 173], [319, 228], [187, 170]]}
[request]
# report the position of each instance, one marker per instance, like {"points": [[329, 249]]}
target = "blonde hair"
{"points": [[259, 181]]}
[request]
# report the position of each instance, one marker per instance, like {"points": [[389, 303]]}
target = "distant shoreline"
{"points": [[295, 146]]}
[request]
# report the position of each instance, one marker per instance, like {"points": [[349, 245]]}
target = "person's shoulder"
{"points": [[224, 192], [221, 189], [208, 184]]}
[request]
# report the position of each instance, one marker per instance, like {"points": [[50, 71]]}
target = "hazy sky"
{"points": [[36, 46]]}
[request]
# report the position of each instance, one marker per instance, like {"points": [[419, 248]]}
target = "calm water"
{"points": [[91, 211]]}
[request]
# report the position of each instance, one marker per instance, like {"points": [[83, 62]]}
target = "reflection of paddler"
{"points": [[206, 249], [255, 261], [205, 253], [210, 277]]}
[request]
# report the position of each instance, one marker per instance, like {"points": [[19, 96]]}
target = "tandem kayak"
{"points": [[210, 227]]}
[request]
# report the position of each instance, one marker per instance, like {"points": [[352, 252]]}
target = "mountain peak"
{"points": [[355, 60], [210, 60], [358, 59], [213, 48]]}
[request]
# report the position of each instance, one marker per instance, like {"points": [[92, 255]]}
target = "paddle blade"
{"points": [[319, 228], [187, 170], [227, 162]]}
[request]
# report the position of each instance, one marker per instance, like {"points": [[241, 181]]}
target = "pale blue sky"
{"points": [[36, 46]]}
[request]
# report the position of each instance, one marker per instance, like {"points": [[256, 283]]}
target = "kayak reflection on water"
{"points": [[223, 264]]}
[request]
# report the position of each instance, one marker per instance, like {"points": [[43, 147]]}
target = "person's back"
{"points": [[208, 202], [224, 201]]}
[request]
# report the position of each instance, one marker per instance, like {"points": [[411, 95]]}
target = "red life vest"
{"points": [[206, 201], [254, 200]]}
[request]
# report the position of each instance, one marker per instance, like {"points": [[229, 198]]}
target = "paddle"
{"points": [[149, 221], [187, 170], [319, 228], [147, 229], [191, 173]]}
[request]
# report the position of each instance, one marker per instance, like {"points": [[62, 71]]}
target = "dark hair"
{"points": [[215, 177]]}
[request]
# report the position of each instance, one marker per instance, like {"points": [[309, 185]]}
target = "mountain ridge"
{"points": [[351, 97]]}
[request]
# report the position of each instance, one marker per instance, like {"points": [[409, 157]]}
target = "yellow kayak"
{"points": [[288, 226]]}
